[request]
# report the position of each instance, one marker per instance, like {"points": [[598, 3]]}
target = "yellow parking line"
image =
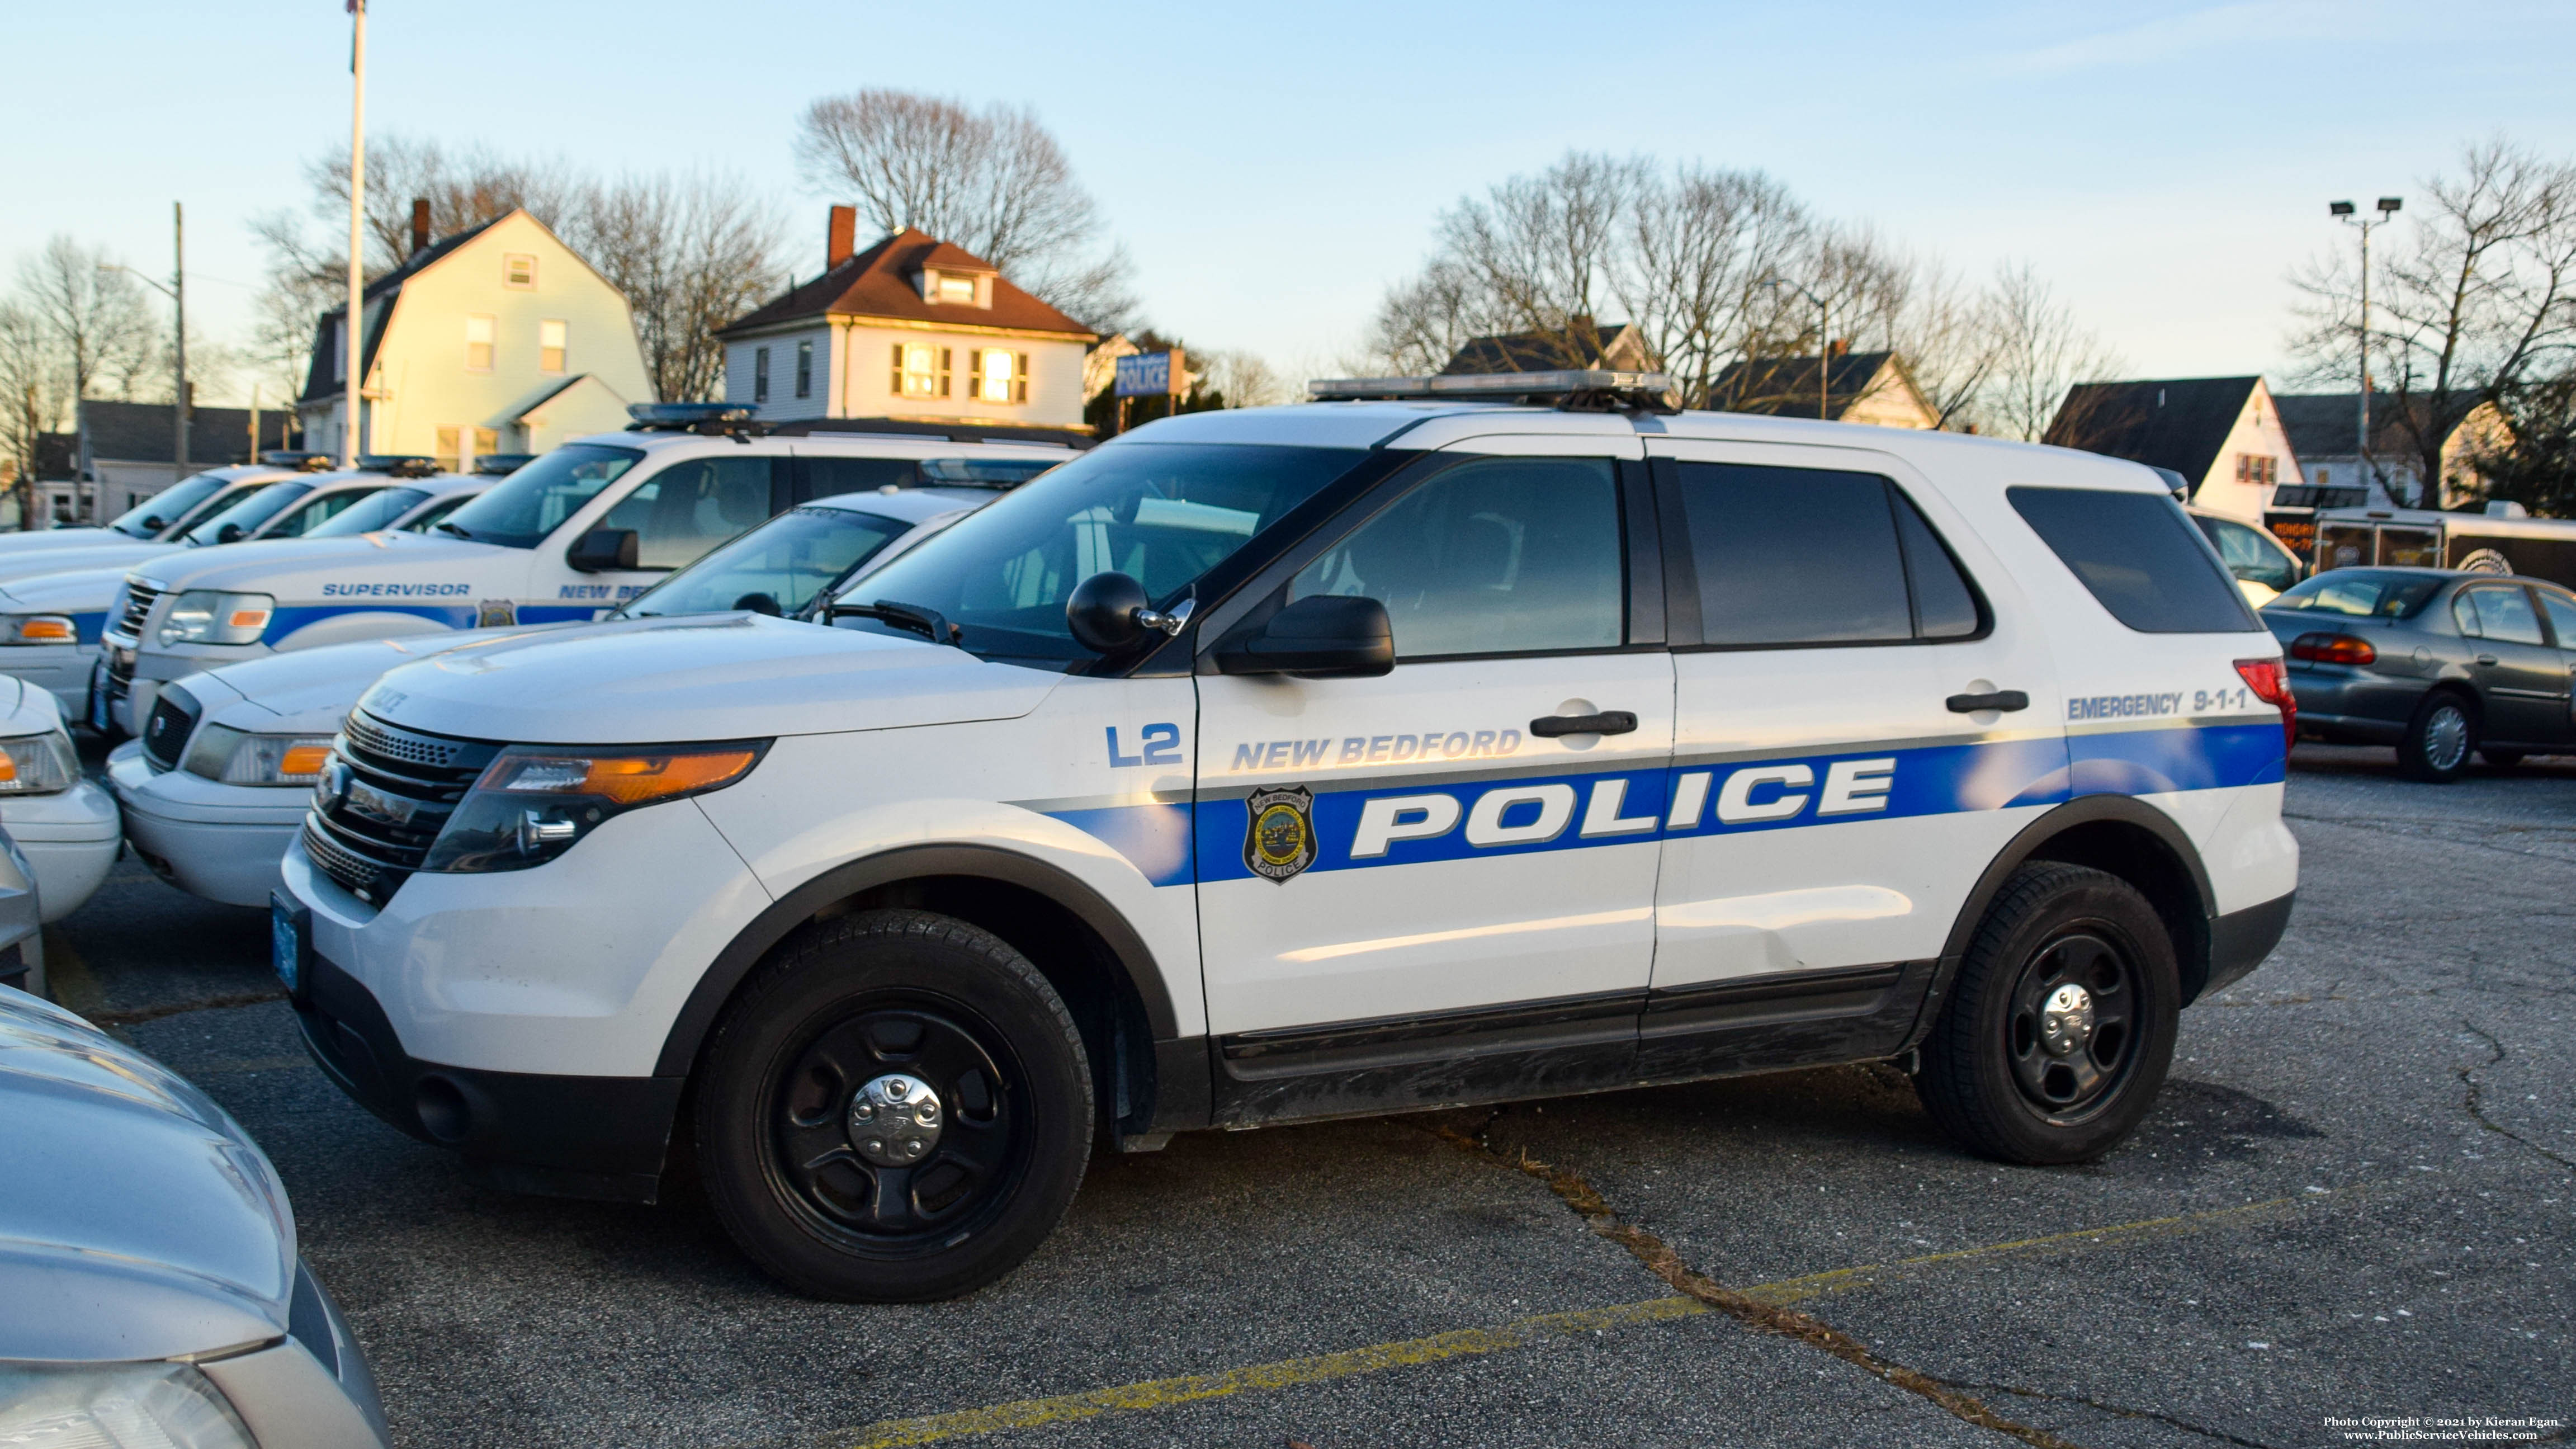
{"points": [[1519, 1333]]}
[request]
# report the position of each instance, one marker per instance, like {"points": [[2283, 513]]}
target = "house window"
{"points": [[920, 370], [478, 343], [550, 346], [759, 375], [519, 271], [805, 368], [452, 459], [956, 289], [1001, 376], [2260, 469], [2324, 474]]}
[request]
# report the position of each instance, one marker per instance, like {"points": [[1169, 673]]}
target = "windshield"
{"points": [[776, 568], [2360, 594], [523, 508], [376, 510], [247, 515], [436, 514], [1165, 513], [167, 507]]}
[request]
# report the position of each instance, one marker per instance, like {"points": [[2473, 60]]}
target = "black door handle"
{"points": [[2487, 659], [1607, 722], [2006, 699]]}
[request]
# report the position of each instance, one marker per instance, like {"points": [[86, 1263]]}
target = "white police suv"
{"points": [[1306, 762], [569, 536], [166, 514], [217, 786]]}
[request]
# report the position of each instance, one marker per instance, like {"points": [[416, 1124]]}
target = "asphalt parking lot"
{"points": [[2351, 1204]]}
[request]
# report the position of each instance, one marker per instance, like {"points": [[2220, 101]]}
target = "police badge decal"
{"points": [[1280, 840]]}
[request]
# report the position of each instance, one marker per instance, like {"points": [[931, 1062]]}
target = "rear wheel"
{"points": [[2061, 1023], [896, 1108], [2439, 739]]}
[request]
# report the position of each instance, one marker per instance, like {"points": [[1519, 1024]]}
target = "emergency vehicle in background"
{"points": [[1452, 740]]}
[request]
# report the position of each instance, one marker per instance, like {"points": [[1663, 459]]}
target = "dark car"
{"points": [[2437, 662]]}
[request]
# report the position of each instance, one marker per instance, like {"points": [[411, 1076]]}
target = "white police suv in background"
{"points": [[1305, 762], [168, 513], [65, 824], [570, 536], [237, 511], [218, 784], [52, 624]]}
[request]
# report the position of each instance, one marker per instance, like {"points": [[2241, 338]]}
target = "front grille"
{"points": [[139, 598], [165, 734], [384, 796]]}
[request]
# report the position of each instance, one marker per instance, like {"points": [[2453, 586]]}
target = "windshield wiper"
{"points": [[928, 623], [446, 527]]}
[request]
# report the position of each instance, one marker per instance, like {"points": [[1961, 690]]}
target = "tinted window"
{"points": [[2139, 555], [775, 568], [523, 508], [1811, 556], [1164, 513], [437, 513], [2503, 614], [2562, 617], [247, 515], [376, 510], [168, 506], [690, 507], [825, 477], [2360, 594], [303, 520], [1499, 556]]}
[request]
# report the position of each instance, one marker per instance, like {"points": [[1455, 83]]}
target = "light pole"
{"points": [[352, 338], [177, 292], [1824, 347], [2388, 207]]}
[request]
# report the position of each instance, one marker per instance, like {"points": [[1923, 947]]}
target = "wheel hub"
{"points": [[2066, 1019], [895, 1120]]}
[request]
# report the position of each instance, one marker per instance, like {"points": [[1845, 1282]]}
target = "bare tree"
{"points": [[1952, 345], [993, 181], [463, 189], [2478, 306], [35, 397], [95, 320], [1702, 247], [1242, 380], [691, 253], [2039, 351]]}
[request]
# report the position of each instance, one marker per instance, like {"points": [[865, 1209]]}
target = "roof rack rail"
{"points": [[1578, 390], [399, 465], [713, 419], [293, 458]]}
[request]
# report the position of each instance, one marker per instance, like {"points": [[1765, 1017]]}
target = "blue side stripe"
{"points": [[559, 613], [1165, 841], [86, 628], [296, 616]]}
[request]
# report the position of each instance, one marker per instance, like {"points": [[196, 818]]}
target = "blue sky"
{"points": [[1273, 169]]}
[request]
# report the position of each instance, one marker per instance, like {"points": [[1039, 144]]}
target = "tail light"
{"points": [[2271, 684], [2332, 649]]}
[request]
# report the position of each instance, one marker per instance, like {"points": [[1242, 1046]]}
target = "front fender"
{"points": [[296, 628]]}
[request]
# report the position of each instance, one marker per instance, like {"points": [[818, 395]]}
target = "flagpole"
{"points": [[352, 328]]}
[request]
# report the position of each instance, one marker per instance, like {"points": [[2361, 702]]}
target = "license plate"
{"points": [[286, 943]]}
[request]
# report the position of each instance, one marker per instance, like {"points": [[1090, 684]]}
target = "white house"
{"points": [[2325, 427], [2222, 434], [913, 329], [499, 339]]}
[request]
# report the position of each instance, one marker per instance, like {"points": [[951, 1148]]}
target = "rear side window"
{"points": [[2502, 613], [1797, 556], [2140, 556], [2562, 617]]}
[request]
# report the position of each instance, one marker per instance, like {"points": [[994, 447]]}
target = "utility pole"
{"points": [[2388, 207], [179, 342], [352, 333]]}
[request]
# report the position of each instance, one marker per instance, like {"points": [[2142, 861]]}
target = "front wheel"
{"points": [[2438, 739], [2061, 1023], [896, 1108]]}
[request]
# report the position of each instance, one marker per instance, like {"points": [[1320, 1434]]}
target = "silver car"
{"points": [[150, 1291]]}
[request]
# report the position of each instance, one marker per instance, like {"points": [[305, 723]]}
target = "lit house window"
{"points": [[519, 270], [478, 343], [2259, 469], [805, 368], [759, 375], [550, 346], [957, 289], [920, 370], [1001, 376]]}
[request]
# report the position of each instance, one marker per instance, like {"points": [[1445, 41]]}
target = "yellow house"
{"points": [[499, 339], [1857, 387], [913, 329]]}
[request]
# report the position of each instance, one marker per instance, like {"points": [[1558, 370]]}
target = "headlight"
{"points": [[531, 804], [39, 629], [38, 765], [238, 757], [119, 1404], [211, 616]]}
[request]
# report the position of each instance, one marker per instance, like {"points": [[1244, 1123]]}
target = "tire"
{"points": [[2501, 759], [2439, 739], [863, 1022], [1996, 1078]]}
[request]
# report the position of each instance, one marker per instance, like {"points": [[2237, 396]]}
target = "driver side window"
{"points": [[690, 507], [1496, 556]]}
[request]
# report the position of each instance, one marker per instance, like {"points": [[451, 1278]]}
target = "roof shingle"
{"points": [[879, 282]]}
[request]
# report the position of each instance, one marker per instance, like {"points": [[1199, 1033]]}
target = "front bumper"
{"points": [[222, 842], [70, 839]]}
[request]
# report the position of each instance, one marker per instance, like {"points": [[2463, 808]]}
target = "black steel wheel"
{"points": [[2060, 1024], [2440, 738], [895, 1108]]}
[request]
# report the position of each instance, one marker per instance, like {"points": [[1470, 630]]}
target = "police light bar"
{"points": [[308, 462], [1576, 389], [399, 465], [493, 465], [691, 417], [983, 472]]}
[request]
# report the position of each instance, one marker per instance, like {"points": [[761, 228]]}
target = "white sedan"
{"points": [[65, 825]]}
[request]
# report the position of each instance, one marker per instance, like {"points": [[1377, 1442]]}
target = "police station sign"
{"points": [[1151, 374]]}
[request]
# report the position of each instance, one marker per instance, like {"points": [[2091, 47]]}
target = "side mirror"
{"points": [[154, 523], [1329, 636], [1103, 613], [602, 549], [229, 533]]}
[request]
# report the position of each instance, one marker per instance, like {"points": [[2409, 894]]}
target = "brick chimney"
{"points": [[419, 225], [844, 236]]}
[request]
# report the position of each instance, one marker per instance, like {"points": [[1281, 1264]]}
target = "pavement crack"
{"points": [[138, 1015], [2473, 1097], [2123, 1411], [1659, 1259]]}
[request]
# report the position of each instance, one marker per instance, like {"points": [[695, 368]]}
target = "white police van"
{"points": [[569, 536], [1307, 762], [216, 787]]}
